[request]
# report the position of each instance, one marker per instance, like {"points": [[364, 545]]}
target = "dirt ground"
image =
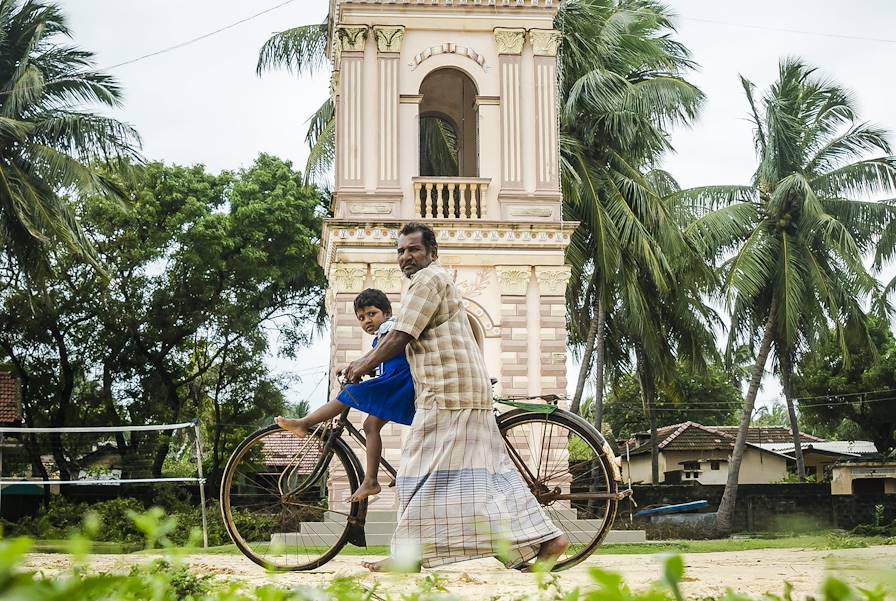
{"points": [[706, 574]]}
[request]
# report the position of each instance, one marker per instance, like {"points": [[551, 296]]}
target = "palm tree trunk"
{"points": [[645, 378], [725, 514], [599, 361], [786, 384], [583, 370]]}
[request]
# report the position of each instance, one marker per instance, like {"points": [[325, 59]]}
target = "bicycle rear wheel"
{"points": [[284, 499], [563, 460]]}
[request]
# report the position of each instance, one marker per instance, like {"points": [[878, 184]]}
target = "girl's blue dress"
{"points": [[388, 396]]}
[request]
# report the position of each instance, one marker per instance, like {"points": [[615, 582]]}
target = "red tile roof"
{"points": [[694, 436], [10, 399], [282, 448]]}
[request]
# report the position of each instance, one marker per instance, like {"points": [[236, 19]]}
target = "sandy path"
{"points": [[706, 574]]}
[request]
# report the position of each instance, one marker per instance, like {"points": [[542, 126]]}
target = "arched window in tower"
{"points": [[478, 333], [448, 125]]}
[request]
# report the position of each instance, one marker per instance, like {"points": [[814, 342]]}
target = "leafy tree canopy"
{"points": [[853, 399], [707, 398], [201, 267]]}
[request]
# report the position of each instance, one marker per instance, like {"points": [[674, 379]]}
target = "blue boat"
{"points": [[680, 508]]}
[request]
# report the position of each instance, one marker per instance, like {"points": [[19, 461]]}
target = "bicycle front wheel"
{"points": [[285, 500], [563, 461]]}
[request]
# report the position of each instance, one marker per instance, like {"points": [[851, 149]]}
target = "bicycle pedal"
{"points": [[391, 484]]}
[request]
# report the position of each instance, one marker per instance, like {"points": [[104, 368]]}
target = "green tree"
{"points": [[854, 398], [200, 268], [622, 86], [303, 50], [702, 396], [48, 142], [793, 241], [776, 415]]}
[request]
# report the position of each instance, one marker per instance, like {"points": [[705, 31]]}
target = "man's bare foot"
{"points": [[367, 489], [296, 426], [550, 551], [387, 565]]}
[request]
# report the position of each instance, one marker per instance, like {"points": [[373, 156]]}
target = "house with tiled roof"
{"points": [[692, 452], [10, 399]]}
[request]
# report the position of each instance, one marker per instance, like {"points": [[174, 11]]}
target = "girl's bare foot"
{"points": [[296, 426], [367, 489]]}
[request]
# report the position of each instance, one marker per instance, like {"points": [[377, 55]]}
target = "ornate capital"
{"points": [[387, 277], [552, 280], [351, 38], [388, 39], [513, 280], [545, 42], [510, 41], [348, 277]]}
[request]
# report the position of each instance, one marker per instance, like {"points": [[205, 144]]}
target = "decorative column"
{"points": [[545, 43], [510, 44], [388, 46], [346, 345], [350, 40], [513, 282], [552, 332], [409, 167]]}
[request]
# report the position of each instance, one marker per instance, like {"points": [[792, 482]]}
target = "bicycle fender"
{"points": [[356, 521], [615, 470]]}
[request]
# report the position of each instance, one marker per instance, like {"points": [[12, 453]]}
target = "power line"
{"points": [[198, 38], [823, 34]]}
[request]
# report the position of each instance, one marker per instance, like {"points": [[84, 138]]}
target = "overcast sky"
{"points": [[204, 103]]}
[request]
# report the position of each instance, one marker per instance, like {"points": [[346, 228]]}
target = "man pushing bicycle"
{"points": [[460, 496]]}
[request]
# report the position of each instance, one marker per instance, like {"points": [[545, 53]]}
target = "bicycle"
{"points": [[276, 488]]}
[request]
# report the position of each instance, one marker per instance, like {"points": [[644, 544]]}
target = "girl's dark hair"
{"points": [[373, 298], [428, 235]]}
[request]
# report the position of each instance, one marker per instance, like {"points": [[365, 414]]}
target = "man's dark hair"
{"points": [[373, 298], [429, 236]]}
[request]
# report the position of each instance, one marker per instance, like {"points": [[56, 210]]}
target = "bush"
{"points": [[879, 530], [64, 517]]}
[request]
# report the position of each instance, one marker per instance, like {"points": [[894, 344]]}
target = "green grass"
{"points": [[819, 542], [826, 541], [100, 548]]}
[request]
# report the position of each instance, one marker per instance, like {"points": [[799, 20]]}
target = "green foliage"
{"points": [[841, 541], [49, 141], [201, 268], [851, 399], [707, 398], [775, 416], [184, 584], [169, 580], [877, 529], [62, 518]]}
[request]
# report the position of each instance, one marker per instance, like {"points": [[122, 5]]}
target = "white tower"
{"points": [[447, 114]]}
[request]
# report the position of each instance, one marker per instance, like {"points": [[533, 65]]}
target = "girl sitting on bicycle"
{"points": [[388, 397]]}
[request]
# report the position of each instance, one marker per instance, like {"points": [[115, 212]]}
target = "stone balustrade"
{"points": [[450, 197]]}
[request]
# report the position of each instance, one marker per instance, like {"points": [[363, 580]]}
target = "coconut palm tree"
{"points": [[660, 327], [50, 145], [622, 87], [794, 240], [303, 51]]}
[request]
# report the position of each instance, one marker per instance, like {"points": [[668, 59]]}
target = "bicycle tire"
{"points": [[312, 559], [604, 482]]}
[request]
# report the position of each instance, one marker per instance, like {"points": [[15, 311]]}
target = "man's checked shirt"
{"points": [[447, 365]]}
